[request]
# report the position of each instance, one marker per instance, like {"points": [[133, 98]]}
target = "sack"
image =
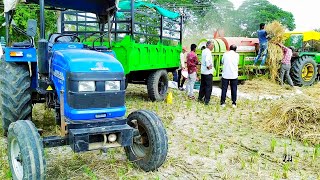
{"points": [[184, 73]]}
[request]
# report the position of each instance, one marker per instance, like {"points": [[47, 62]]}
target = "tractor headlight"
{"points": [[87, 86], [112, 86]]}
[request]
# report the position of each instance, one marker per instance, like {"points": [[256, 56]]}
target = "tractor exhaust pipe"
{"points": [[42, 20], [43, 64]]}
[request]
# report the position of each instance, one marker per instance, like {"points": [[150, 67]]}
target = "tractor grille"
{"points": [[99, 98], [96, 100]]}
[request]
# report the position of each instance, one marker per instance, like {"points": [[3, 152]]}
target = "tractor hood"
{"points": [[100, 7], [82, 61]]}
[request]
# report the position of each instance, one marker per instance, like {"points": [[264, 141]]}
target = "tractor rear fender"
{"points": [[13, 54], [24, 56]]}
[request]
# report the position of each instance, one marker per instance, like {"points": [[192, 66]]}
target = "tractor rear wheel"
{"points": [[150, 144], [15, 93], [25, 151], [158, 85], [304, 71]]}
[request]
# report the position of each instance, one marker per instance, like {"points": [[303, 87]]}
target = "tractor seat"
{"points": [[25, 44]]}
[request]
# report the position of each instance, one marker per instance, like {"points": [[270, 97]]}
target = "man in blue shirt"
{"points": [[263, 42]]}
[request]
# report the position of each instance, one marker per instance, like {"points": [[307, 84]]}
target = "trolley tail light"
{"points": [[16, 54]]}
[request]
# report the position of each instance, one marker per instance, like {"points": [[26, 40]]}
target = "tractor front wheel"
{"points": [[25, 151], [150, 143], [158, 85], [15, 93], [304, 71]]}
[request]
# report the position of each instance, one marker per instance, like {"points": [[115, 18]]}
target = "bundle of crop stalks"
{"points": [[276, 31], [297, 117]]}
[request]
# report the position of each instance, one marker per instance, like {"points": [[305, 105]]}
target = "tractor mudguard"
{"points": [[14, 54]]}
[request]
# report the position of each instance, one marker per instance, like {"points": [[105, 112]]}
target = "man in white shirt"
{"points": [[181, 68], [206, 74], [230, 62]]}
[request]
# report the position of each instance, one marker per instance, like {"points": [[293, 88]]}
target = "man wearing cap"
{"points": [[181, 68]]}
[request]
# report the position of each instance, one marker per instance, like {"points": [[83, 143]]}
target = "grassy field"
{"points": [[205, 142]]}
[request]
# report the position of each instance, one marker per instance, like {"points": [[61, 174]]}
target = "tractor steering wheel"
{"points": [[70, 35]]}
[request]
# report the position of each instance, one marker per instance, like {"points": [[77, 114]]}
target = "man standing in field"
{"points": [[182, 67], [230, 61], [286, 65], [192, 62], [263, 42], [206, 74]]}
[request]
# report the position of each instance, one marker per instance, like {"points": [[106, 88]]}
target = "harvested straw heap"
{"points": [[276, 31], [298, 117]]}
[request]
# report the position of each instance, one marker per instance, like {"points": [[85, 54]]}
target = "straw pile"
{"points": [[298, 117], [276, 31], [263, 86], [313, 91]]}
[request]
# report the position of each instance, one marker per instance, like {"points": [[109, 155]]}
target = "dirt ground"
{"points": [[205, 142]]}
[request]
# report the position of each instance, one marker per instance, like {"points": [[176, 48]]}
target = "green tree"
{"points": [[22, 14], [252, 12], [220, 17], [203, 17]]}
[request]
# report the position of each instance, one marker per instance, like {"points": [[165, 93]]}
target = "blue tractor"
{"points": [[86, 88]]}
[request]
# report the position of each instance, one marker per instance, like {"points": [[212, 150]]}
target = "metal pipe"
{"points": [[132, 18], [161, 28], [7, 27], [42, 20], [63, 125], [109, 30], [181, 28], [101, 29], [115, 27], [59, 22]]}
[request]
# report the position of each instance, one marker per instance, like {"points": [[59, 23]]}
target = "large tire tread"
{"points": [[31, 149], [162, 133], [15, 93], [158, 137], [296, 70], [152, 85]]}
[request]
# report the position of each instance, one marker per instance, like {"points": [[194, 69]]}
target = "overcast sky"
{"points": [[305, 12]]}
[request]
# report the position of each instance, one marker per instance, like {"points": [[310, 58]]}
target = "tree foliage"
{"points": [[21, 16], [251, 13], [203, 17]]}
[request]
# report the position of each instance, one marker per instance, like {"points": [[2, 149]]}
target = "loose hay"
{"points": [[262, 86], [313, 91], [276, 31], [298, 117]]}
